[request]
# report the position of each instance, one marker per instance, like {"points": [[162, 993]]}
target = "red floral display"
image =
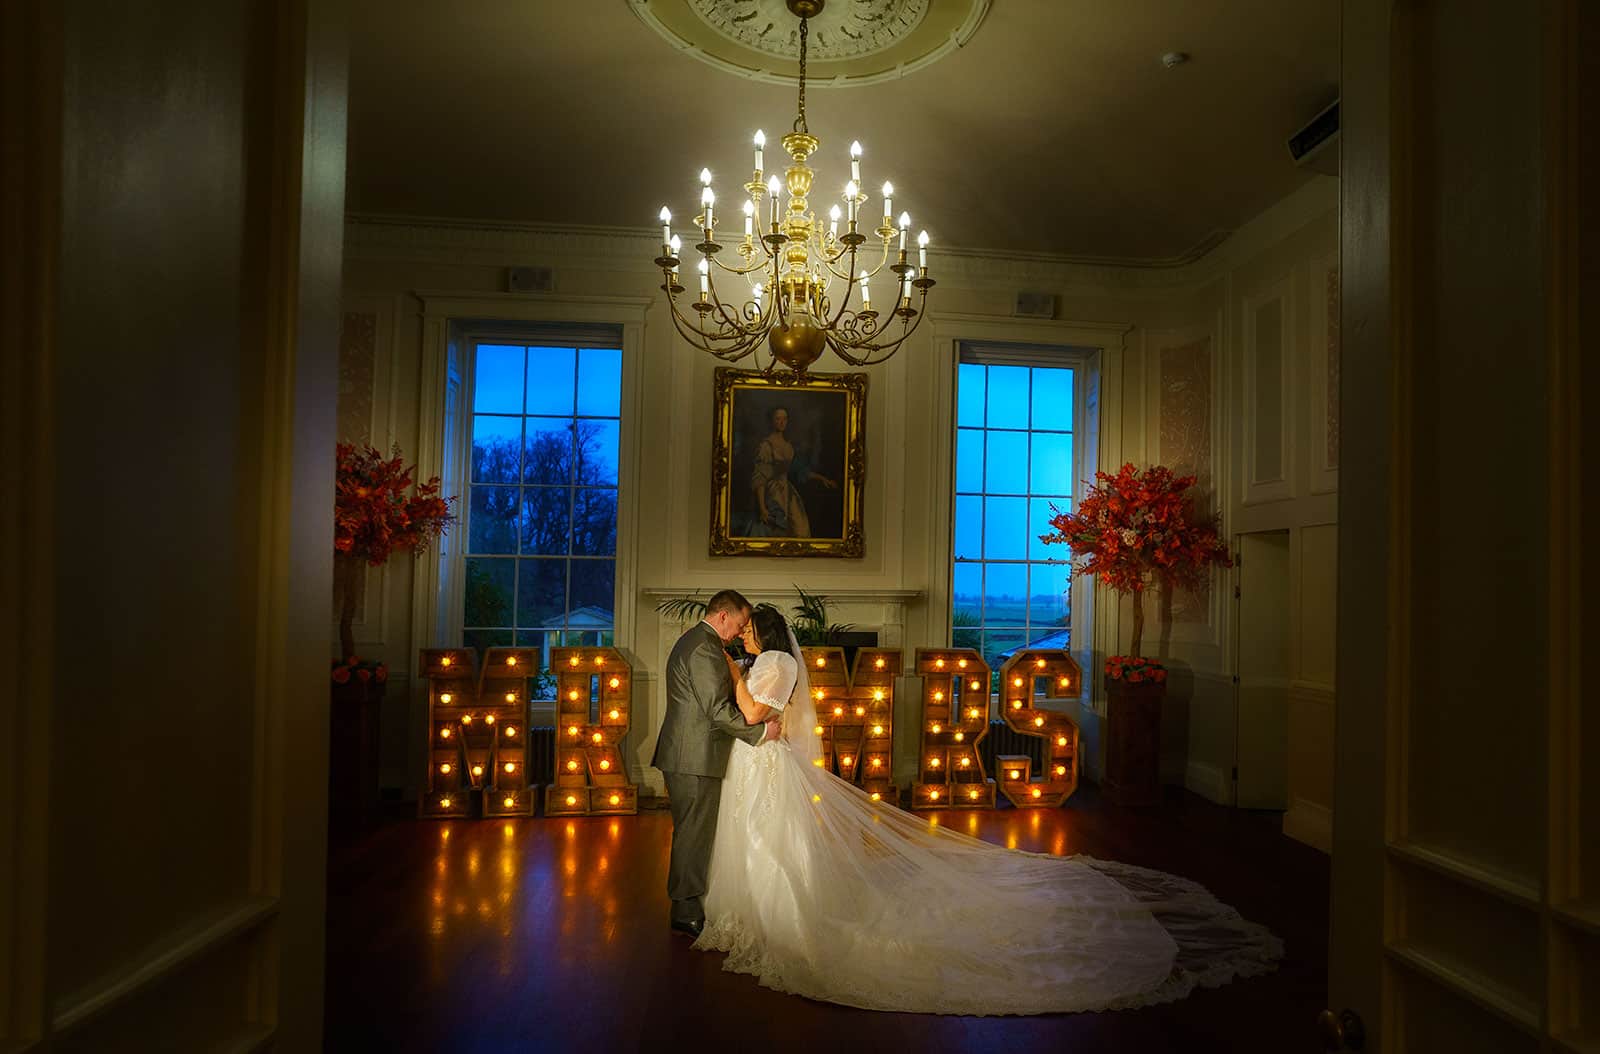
{"points": [[1134, 670], [379, 509], [1139, 528]]}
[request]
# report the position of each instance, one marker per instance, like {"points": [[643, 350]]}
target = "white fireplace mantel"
{"points": [[882, 610]]}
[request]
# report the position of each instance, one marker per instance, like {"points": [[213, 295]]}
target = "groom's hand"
{"points": [[774, 729]]}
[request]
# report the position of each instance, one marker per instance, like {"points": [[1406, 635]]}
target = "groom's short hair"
{"points": [[727, 600]]}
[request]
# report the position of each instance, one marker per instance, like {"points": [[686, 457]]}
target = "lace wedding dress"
{"points": [[819, 891]]}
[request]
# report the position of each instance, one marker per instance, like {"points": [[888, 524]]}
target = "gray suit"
{"points": [[697, 735]]}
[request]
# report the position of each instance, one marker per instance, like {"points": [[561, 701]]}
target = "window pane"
{"points": [[594, 523], [1052, 399], [1005, 530], [493, 520], [969, 528], [1008, 397], [1039, 512], [600, 382], [549, 451], [490, 584], [483, 639], [546, 520], [1007, 468], [496, 449], [1005, 595], [1051, 464], [967, 594], [1049, 604], [969, 460], [497, 379], [597, 452], [997, 645], [969, 395], [550, 375], [541, 592], [594, 591]]}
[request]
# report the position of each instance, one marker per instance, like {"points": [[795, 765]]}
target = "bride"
{"points": [[819, 891]]}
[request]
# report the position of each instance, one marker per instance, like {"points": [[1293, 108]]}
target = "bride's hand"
{"points": [[733, 667]]}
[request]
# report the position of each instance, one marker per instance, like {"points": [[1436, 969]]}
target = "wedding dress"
{"points": [[819, 891]]}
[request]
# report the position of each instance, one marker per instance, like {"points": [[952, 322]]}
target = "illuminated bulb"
{"points": [[960, 736], [876, 796], [445, 661], [445, 768], [489, 720], [1064, 681], [598, 738], [444, 733], [934, 795], [614, 714], [838, 711], [1061, 741], [1039, 663], [511, 697], [877, 696], [1015, 774], [1016, 704], [572, 730], [573, 695], [847, 760], [877, 730], [477, 770], [605, 764], [877, 763], [616, 799], [818, 730], [966, 763], [972, 685], [1038, 722], [1061, 770], [466, 719], [962, 663], [816, 797], [938, 697], [599, 660], [817, 763], [937, 729], [509, 802], [973, 712], [878, 664], [444, 803], [572, 766], [861, 711], [615, 682], [572, 661], [446, 697], [511, 660], [1037, 792], [939, 663], [818, 693], [571, 800], [933, 763], [974, 796], [821, 662], [511, 766], [1016, 682]]}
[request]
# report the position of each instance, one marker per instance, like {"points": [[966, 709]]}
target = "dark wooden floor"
{"points": [[541, 934]]}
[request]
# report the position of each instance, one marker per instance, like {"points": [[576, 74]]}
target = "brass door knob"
{"points": [[1342, 1031]]}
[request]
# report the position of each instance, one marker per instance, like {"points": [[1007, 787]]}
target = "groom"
{"points": [[697, 735]]}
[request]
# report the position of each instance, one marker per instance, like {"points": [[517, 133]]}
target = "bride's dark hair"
{"points": [[772, 629]]}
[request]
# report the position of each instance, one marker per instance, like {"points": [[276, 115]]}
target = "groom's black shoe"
{"points": [[691, 928]]}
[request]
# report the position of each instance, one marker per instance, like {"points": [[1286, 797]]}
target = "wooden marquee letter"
{"points": [[955, 718], [855, 714], [594, 709], [1019, 679], [477, 731]]}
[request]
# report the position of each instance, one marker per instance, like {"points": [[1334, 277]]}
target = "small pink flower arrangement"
{"points": [[1134, 669]]}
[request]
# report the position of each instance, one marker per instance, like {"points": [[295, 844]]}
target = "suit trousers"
{"points": [[694, 801]]}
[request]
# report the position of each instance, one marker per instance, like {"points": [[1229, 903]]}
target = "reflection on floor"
{"points": [[552, 935]]}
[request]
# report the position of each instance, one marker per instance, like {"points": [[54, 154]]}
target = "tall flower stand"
{"points": [[353, 753], [1133, 742]]}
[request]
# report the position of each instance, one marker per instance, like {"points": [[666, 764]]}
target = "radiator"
{"points": [[542, 755], [1003, 739]]}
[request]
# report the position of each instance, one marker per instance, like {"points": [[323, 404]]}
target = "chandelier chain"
{"points": [[800, 121]]}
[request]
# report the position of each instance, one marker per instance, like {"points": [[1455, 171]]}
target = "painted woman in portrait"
{"points": [[775, 482]]}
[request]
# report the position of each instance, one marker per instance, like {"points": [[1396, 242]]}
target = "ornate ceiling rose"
{"points": [[852, 41]]}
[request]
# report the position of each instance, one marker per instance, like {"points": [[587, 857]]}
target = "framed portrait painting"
{"points": [[788, 463]]}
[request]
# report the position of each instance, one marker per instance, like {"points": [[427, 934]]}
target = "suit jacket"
{"points": [[702, 719]]}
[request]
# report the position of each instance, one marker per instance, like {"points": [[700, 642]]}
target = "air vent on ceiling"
{"points": [[1034, 305], [530, 279], [1316, 146]]}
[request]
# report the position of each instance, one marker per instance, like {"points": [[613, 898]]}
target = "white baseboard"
{"points": [[1208, 781], [1308, 822]]}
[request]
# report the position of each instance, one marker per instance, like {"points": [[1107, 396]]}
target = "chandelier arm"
{"points": [[700, 340], [841, 349], [759, 265]]}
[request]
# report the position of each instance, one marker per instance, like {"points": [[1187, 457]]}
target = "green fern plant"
{"points": [[809, 621]]}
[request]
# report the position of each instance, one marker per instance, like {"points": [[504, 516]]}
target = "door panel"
{"points": [[1264, 671]]}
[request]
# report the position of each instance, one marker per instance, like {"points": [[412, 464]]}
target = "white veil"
{"points": [[800, 716]]}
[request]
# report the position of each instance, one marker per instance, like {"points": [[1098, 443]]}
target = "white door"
{"points": [[1262, 749], [1466, 842], [173, 220]]}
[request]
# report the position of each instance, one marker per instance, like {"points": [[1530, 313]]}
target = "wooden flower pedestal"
{"points": [[1133, 742], [353, 713]]}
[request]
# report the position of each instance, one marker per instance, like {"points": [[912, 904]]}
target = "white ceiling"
{"points": [[1056, 128]]}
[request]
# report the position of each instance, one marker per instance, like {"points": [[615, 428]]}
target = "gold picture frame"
{"points": [[788, 463]]}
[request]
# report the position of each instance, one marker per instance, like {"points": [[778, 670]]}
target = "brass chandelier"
{"points": [[789, 264]]}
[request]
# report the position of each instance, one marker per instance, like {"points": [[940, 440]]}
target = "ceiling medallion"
{"points": [[801, 279], [852, 42]]}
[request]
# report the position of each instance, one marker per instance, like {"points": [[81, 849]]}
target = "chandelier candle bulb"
{"points": [[833, 224], [666, 229], [761, 141], [774, 191], [749, 218], [705, 277], [922, 251], [888, 202], [708, 199], [851, 192], [905, 223], [866, 293], [855, 161]]}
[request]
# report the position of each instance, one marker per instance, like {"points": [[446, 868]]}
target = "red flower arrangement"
{"points": [[379, 510], [1132, 669], [1137, 528], [359, 670]]}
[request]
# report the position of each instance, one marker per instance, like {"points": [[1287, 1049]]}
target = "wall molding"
{"points": [[1259, 486], [1306, 821], [1208, 781]]}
